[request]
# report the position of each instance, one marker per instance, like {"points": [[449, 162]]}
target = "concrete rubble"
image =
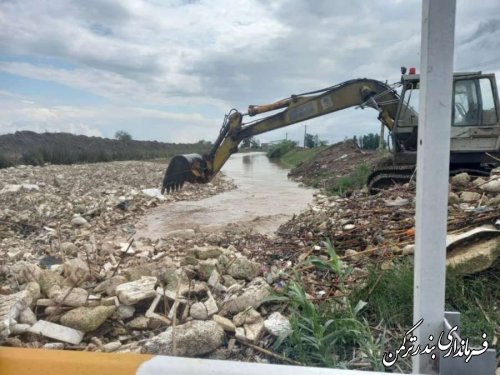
{"points": [[73, 276], [383, 224]]}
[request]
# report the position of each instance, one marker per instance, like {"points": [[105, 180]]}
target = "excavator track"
{"points": [[385, 177], [382, 178]]}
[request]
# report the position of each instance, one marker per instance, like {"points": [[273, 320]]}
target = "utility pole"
{"points": [[433, 158], [381, 144], [305, 134]]}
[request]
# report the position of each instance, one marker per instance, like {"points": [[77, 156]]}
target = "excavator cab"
{"points": [[475, 126]]}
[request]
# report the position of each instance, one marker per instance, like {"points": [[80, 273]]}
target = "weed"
{"points": [[355, 180], [333, 264], [389, 294], [296, 156], [329, 333], [278, 150], [477, 299]]}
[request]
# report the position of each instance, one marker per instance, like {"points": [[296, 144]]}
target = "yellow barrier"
{"points": [[15, 361]]}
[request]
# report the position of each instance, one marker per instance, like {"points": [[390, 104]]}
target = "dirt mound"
{"points": [[336, 162]]}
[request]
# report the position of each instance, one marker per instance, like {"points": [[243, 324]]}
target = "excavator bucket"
{"points": [[183, 168]]}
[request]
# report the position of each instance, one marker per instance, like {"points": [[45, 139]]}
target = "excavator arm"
{"points": [[195, 168]]}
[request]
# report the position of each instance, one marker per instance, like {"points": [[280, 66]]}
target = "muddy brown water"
{"points": [[263, 200]]}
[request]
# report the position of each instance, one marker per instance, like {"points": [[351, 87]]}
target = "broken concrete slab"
{"points": [[109, 285], [211, 305], [27, 316], [74, 297], [206, 267], [57, 332], [492, 186], [247, 316], [207, 252], [87, 319], [111, 346], [10, 308], [135, 291], [473, 257], [18, 329], [460, 180], [76, 270], [253, 331], [244, 268], [191, 339], [470, 196], [252, 296], [124, 312], [79, 221], [141, 322]]}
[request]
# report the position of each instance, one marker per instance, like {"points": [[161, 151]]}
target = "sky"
{"points": [[169, 70]]}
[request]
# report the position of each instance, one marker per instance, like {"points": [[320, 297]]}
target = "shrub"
{"points": [[280, 149]]}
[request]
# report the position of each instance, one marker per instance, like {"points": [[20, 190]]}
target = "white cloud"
{"points": [[197, 54]]}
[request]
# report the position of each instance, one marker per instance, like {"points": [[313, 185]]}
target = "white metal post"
{"points": [[436, 79]]}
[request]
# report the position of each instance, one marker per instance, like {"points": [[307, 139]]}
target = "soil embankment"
{"points": [[343, 164]]}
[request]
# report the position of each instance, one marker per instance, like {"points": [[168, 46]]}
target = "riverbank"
{"points": [[332, 288], [337, 169]]}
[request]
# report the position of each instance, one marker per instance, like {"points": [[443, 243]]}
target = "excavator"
{"points": [[475, 127]]}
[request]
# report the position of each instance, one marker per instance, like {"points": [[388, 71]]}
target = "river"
{"points": [[263, 200]]}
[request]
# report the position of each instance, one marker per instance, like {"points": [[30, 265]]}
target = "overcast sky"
{"points": [[170, 70]]}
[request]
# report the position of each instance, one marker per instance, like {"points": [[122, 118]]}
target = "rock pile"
{"points": [[187, 306], [385, 222], [63, 210], [72, 276]]}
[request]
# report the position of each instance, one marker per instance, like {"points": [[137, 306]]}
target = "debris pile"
{"points": [[376, 227], [73, 276], [61, 210], [186, 304]]}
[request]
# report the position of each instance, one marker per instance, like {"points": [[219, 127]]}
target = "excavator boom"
{"points": [[196, 168]]}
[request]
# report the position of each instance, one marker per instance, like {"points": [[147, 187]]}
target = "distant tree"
{"points": [[368, 142], [309, 141], [204, 143], [319, 142], [255, 144], [279, 149], [312, 141], [246, 142], [122, 135]]}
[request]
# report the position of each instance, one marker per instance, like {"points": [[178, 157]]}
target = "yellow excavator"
{"points": [[475, 128]]}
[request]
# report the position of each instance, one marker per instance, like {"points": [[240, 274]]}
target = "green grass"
{"points": [[355, 180], [355, 326], [389, 295], [296, 156], [325, 334], [477, 298]]}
